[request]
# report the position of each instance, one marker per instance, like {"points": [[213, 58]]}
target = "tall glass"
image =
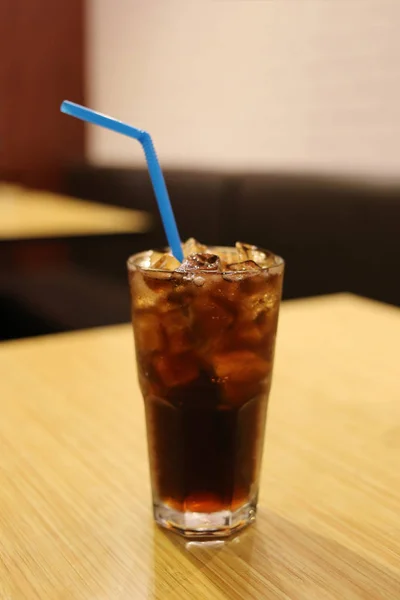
{"points": [[204, 348]]}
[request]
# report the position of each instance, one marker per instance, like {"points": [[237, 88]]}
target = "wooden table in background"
{"points": [[75, 516], [56, 254], [27, 214]]}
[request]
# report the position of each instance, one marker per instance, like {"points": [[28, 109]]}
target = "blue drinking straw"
{"points": [[156, 175]]}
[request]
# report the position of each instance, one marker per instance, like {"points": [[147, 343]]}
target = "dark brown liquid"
{"points": [[205, 354], [204, 454]]}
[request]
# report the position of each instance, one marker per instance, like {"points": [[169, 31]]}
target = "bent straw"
{"points": [[155, 172]]}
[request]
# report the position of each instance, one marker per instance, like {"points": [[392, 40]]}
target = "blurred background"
{"points": [[277, 123]]}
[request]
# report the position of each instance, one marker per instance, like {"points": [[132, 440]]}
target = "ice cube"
{"points": [[228, 256], [200, 262], [159, 282], [176, 328], [166, 262], [192, 246], [209, 324], [143, 296], [255, 327], [241, 366], [243, 375], [148, 332], [180, 296], [247, 334], [225, 294], [176, 370], [210, 318], [161, 276], [246, 265], [246, 252], [237, 394], [242, 270], [152, 257]]}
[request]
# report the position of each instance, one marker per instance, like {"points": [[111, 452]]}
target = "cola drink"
{"points": [[205, 336]]}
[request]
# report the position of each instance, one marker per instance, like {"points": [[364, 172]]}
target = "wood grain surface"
{"points": [[75, 517], [30, 214]]}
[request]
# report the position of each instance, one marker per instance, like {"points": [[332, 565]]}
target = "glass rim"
{"points": [[133, 265]]}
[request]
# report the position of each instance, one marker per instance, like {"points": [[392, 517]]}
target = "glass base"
{"points": [[198, 524]]}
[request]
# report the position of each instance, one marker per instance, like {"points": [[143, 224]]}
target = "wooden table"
{"points": [[33, 215], [50, 243], [75, 517]]}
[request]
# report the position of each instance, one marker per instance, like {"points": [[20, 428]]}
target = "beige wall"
{"points": [[272, 84]]}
